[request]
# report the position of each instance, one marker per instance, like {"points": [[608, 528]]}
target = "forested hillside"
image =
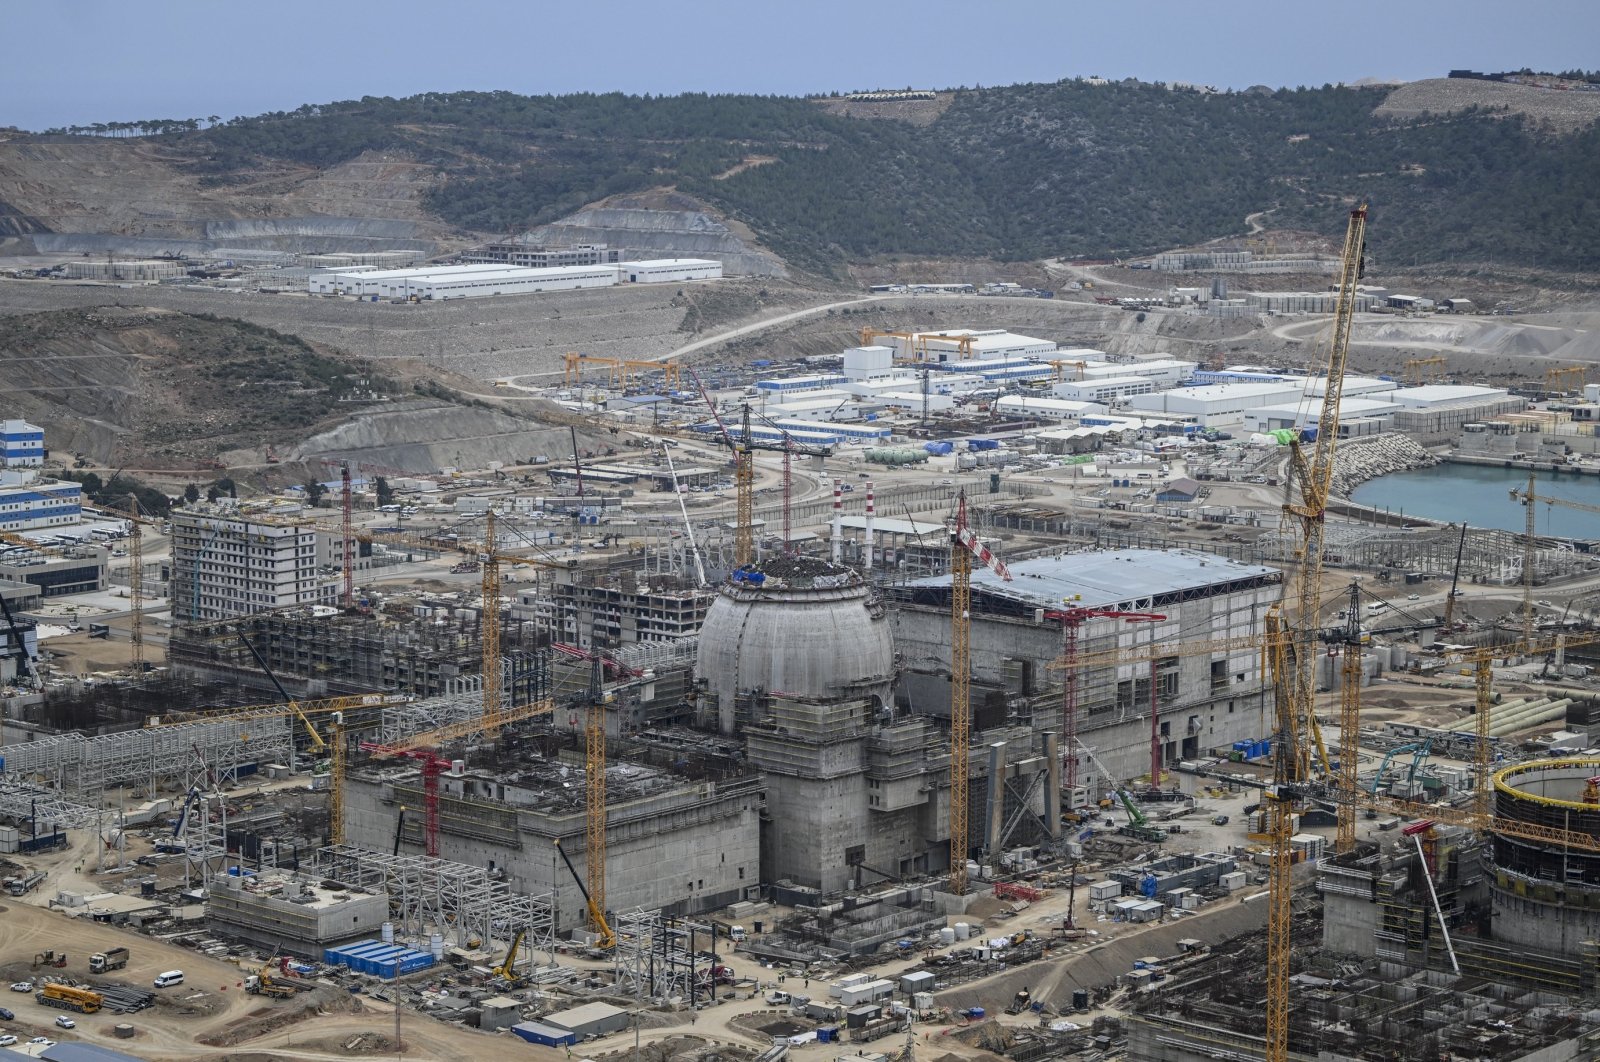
{"points": [[1018, 172]]}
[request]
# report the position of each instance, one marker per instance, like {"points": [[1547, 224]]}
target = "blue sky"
{"points": [[106, 60]]}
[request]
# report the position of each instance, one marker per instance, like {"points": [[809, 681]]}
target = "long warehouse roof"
{"points": [[1107, 578]]}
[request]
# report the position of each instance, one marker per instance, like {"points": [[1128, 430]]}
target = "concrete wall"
{"points": [[1203, 714], [689, 850]]}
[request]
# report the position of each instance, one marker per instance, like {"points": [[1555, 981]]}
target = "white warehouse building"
{"points": [[509, 280], [1163, 372], [1216, 405], [1106, 390], [1305, 414], [1052, 409], [669, 270], [985, 344]]}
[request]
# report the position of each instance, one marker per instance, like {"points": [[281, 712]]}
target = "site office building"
{"points": [[243, 566]]}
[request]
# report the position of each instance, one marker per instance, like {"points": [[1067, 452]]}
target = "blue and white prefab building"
{"points": [[21, 444], [28, 503]]}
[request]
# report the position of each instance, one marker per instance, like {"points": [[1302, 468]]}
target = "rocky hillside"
{"points": [[1015, 173], [147, 388]]}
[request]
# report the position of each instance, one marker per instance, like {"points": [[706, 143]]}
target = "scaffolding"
{"points": [[466, 904], [660, 958], [72, 763]]}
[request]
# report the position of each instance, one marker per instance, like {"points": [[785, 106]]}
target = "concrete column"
{"points": [[995, 819], [1052, 782]]}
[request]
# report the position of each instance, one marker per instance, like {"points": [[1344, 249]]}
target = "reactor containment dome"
{"points": [[791, 626]]}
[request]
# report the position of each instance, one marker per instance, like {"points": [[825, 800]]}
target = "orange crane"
{"points": [[1527, 498], [1293, 650], [964, 546]]}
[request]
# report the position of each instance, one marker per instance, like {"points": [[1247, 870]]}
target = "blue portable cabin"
{"points": [[547, 1035]]}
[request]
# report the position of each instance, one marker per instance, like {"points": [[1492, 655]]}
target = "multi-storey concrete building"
{"points": [[228, 564], [538, 256], [625, 607], [683, 847], [1205, 699]]}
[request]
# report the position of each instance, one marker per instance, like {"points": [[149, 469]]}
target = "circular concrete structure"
{"points": [[795, 626], [1546, 896]]}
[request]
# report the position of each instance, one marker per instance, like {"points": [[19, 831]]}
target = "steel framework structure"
{"points": [[459, 901]]}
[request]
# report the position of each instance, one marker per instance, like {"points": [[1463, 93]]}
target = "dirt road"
{"points": [[212, 1002]]}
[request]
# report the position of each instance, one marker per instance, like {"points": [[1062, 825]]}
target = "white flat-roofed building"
{"points": [[1052, 409], [867, 363], [365, 280], [899, 381], [28, 503], [669, 270], [1105, 390], [1165, 372], [510, 281], [226, 565], [21, 444], [912, 401], [984, 344], [1304, 414], [1216, 405], [815, 382], [820, 406], [1445, 395]]}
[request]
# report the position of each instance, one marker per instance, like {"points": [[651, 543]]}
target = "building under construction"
{"points": [[424, 646], [673, 844]]}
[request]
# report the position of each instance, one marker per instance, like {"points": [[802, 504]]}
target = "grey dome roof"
{"points": [[801, 627]]}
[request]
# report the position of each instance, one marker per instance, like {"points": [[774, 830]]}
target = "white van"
{"points": [[170, 978]]}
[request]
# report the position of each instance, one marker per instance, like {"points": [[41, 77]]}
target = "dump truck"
{"points": [[70, 997], [106, 961]]}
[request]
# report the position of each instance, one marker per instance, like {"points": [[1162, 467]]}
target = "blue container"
{"points": [[976, 1012]]}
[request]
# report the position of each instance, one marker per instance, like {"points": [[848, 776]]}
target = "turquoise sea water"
{"points": [[1480, 495]]}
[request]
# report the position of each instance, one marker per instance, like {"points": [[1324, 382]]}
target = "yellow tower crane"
{"points": [[1294, 654], [1527, 498], [595, 800], [1350, 718], [964, 546]]}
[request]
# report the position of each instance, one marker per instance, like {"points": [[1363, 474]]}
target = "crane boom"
{"points": [[595, 778], [1455, 581], [1298, 651]]}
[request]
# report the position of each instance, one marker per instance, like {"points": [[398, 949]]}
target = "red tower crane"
{"points": [[1071, 620], [433, 765]]}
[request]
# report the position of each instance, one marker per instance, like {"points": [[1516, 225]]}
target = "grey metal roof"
{"points": [[1106, 578], [73, 1051]]}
